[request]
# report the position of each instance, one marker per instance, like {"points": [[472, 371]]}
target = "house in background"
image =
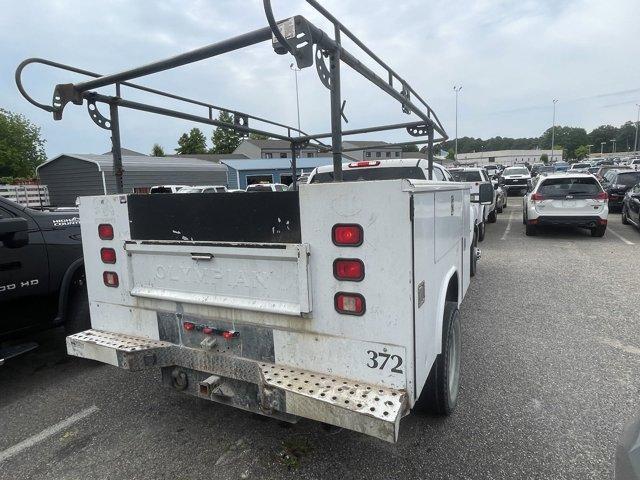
{"points": [[69, 176], [366, 152], [268, 170], [271, 148]]}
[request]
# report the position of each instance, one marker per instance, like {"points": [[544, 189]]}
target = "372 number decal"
{"points": [[380, 359]]}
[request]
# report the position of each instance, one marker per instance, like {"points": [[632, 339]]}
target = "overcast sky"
{"points": [[511, 57]]}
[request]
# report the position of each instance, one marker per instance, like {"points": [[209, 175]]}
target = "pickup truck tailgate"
{"points": [[270, 278]]}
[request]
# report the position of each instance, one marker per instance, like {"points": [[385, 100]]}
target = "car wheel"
{"points": [[440, 392], [625, 220], [473, 263], [481, 229], [499, 209], [492, 217], [598, 231], [505, 201], [531, 230], [77, 318]]}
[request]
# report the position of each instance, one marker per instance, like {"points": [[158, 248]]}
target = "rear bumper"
{"points": [[281, 390], [576, 221]]}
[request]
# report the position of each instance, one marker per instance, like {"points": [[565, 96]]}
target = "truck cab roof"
{"points": [[381, 170]]}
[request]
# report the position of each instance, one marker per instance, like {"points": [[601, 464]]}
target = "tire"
{"points": [[473, 264], [492, 217], [440, 392], [598, 231], [77, 318], [505, 201], [625, 220], [499, 209], [481, 231], [531, 230]]}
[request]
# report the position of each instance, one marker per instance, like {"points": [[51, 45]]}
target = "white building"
{"points": [[507, 157]]}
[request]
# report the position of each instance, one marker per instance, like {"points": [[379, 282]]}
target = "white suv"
{"points": [[575, 199]]}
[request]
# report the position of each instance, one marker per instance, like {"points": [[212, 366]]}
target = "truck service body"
{"points": [[259, 318]]}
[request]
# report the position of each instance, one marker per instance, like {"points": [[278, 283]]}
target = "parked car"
{"points": [[634, 163], [492, 170], [267, 187], [616, 183], [631, 206], [515, 179], [605, 168], [475, 176], [535, 168], [579, 166], [561, 166], [204, 189], [166, 188], [567, 199], [501, 197], [42, 280]]}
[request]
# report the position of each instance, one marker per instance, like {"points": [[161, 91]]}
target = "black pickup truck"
{"points": [[42, 280]]}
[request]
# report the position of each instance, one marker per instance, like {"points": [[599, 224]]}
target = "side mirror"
{"points": [[486, 194], [14, 232]]}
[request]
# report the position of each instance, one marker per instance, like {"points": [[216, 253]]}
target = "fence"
{"points": [[28, 195]]}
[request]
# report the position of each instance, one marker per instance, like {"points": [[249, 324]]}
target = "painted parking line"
{"points": [[46, 433], [612, 342], [508, 229], [628, 242]]}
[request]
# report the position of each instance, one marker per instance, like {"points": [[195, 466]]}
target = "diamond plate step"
{"points": [[362, 407]]}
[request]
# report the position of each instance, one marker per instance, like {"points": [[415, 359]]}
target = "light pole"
{"points": [[295, 71], [635, 142], [614, 145], [589, 146], [457, 90], [553, 128], [602, 148]]}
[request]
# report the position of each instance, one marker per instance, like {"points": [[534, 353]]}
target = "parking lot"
{"points": [[550, 374]]}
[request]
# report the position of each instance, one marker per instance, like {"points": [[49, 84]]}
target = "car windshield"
{"points": [[385, 173], [190, 190], [466, 176], [515, 171], [561, 187], [579, 165], [628, 179]]}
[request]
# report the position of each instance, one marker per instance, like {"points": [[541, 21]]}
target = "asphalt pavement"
{"points": [[550, 374]]}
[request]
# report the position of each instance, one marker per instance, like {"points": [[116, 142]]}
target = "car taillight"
{"points": [[105, 231], [348, 269], [349, 303], [369, 163], [536, 197], [602, 196], [108, 255], [350, 235], [189, 326], [110, 279]]}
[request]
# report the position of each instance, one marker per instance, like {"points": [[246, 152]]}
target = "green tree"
{"points": [[544, 158], [225, 140], [410, 148], [625, 137], [193, 142], [581, 152], [603, 134], [157, 151], [21, 146], [451, 154], [258, 136], [569, 137]]}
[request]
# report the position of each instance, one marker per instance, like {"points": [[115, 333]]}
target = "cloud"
{"points": [[511, 57]]}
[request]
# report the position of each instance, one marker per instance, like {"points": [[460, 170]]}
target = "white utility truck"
{"points": [[340, 304], [336, 301]]}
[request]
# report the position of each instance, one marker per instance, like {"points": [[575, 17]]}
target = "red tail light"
{"points": [[349, 303], [602, 196], [230, 334], [189, 326], [348, 269], [105, 231], [369, 163], [108, 255], [110, 279], [536, 197], [350, 235]]}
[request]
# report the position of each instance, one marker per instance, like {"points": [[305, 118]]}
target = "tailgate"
{"points": [[260, 277]]}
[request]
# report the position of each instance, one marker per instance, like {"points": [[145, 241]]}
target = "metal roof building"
{"points": [[270, 170], [71, 175]]}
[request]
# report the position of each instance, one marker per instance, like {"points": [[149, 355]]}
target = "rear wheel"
{"points": [[625, 219], [598, 231], [531, 230], [499, 209], [481, 229], [77, 318], [440, 392], [474, 258], [492, 217]]}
